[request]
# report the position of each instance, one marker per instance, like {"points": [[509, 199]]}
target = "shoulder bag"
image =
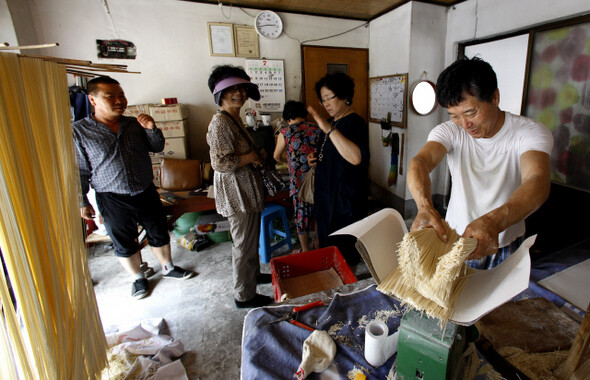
{"points": [[305, 193], [270, 177], [307, 185]]}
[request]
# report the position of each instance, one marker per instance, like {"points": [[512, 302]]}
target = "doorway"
{"points": [[320, 60]]}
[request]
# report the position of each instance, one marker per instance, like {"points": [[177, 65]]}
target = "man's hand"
{"points": [[429, 218], [486, 232], [87, 212], [146, 121]]}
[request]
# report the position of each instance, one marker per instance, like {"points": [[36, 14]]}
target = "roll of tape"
{"points": [[379, 345]]}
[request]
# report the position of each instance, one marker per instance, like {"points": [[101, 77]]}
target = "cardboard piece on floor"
{"points": [[310, 283], [571, 284], [378, 237]]}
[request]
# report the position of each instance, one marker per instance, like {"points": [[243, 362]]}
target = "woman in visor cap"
{"points": [[239, 191]]}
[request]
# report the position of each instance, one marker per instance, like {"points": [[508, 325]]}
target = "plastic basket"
{"points": [[299, 264]]}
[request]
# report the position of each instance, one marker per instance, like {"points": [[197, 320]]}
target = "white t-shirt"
{"points": [[486, 171]]}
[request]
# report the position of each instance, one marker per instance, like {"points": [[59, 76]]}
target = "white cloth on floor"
{"points": [[318, 353], [141, 352]]}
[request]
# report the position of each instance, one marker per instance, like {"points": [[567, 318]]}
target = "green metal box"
{"points": [[423, 352]]}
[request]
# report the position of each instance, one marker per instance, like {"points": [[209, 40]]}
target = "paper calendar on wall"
{"points": [[388, 95], [269, 75]]}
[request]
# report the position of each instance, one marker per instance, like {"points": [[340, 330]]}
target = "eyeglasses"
{"points": [[237, 87], [326, 100]]}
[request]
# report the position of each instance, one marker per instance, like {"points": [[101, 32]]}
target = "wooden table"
{"points": [[182, 203], [177, 203]]}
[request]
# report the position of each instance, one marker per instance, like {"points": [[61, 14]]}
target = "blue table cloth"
{"points": [[274, 351]]}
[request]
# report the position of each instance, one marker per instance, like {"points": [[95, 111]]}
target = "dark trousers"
{"points": [[122, 213]]}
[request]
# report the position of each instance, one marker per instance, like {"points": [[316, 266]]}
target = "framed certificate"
{"points": [[221, 39], [246, 40]]}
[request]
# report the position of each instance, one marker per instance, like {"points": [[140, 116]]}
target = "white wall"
{"points": [[389, 52], [475, 19], [418, 37], [172, 46], [173, 53], [428, 33], [410, 40], [7, 33]]}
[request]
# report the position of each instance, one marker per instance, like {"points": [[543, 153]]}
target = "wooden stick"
{"points": [[5, 46], [80, 73], [99, 69], [577, 350], [66, 61], [109, 66], [401, 156]]}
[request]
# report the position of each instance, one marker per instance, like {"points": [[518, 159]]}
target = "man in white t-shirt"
{"points": [[499, 164]]}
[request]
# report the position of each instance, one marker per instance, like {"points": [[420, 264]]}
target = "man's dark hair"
{"points": [[473, 76], [339, 83], [92, 86], [293, 110], [219, 73]]}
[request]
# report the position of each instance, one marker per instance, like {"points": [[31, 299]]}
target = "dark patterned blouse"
{"points": [[300, 140]]}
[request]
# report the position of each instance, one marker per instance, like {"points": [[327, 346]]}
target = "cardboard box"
{"points": [[176, 128], [156, 170], [138, 109], [175, 147], [171, 112]]}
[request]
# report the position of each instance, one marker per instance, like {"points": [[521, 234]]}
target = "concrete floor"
{"points": [[200, 311]]}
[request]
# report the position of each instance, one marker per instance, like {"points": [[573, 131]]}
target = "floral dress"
{"points": [[300, 140]]}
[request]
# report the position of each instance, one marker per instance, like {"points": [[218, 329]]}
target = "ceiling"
{"points": [[350, 9]]}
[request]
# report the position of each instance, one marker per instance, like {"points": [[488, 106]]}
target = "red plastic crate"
{"points": [[299, 264]]}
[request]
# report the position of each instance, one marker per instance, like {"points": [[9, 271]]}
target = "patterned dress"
{"points": [[300, 140]]}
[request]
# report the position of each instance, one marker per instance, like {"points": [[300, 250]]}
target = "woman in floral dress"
{"points": [[298, 139]]}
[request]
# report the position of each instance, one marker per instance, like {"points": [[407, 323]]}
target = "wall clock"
{"points": [[268, 24]]}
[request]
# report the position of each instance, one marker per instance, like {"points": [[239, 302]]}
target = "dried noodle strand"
{"points": [[41, 237]]}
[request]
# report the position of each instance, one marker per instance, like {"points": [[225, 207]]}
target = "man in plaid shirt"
{"points": [[113, 158]]}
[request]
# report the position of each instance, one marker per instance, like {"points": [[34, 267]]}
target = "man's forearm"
{"points": [[525, 200], [419, 183]]}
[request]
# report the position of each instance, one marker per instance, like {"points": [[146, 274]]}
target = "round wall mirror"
{"points": [[423, 97]]}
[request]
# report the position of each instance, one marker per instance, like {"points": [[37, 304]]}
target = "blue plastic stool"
{"points": [[271, 212]]}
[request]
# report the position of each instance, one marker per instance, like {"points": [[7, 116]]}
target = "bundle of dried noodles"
{"points": [[431, 273], [57, 333]]}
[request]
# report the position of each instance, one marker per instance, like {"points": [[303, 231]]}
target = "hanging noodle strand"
{"points": [[55, 330]]}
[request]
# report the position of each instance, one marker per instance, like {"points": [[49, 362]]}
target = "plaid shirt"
{"points": [[489, 262], [113, 163]]}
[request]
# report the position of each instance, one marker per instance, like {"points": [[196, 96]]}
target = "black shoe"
{"points": [[139, 288], [179, 274], [258, 301], [264, 278]]}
